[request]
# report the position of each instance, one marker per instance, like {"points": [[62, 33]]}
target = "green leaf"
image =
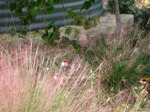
{"points": [[134, 92], [56, 1], [45, 36], [56, 28], [70, 13], [21, 18], [18, 11], [23, 32], [49, 9], [50, 2], [31, 9], [68, 30], [130, 105], [123, 105], [30, 17], [23, 2], [26, 22], [12, 6], [50, 26], [92, 1], [39, 3], [52, 38], [132, 2], [86, 5], [34, 12]]}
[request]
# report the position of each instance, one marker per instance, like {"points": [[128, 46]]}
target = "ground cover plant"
{"points": [[106, 76]]}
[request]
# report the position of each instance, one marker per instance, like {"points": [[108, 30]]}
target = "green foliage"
{"points": [[141, 98], [124, 5], [100, 48], [89, 24], [81, 20], [33, 7], [77, 31], [65, 42], [47, 6], [68, 30], [12, 31], [77, 47], [92, 1], [125, 69], [145, 17], [96, 20], [13, 6], [123, 107], [87, 4], [70, 13], [51, 34], [23, 31], [39, 3]]}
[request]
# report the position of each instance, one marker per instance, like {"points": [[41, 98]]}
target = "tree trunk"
{"points": [[118, 20]]}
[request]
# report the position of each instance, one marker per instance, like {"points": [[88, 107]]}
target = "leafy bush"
{"points": [[81, 20], [124, 5], [52, 36], [128, 7], [47, 6]]}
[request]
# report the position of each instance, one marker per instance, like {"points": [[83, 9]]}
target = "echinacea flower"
{"points": [[148, 81], [46, 69], [56, 77], [143, 81], [64, 63], [147, 90], [63, 80]]}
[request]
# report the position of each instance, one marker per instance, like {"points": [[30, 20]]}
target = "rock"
{"points": [[93, 32], [37, 41], [108, 19], [127, 19], [78, 33], [108, 24], [101, 29]]}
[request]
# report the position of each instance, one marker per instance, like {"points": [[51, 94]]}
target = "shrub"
{"points": [[128, 7]]}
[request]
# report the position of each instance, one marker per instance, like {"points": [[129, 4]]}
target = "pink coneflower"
{"points": [[63, 80], [143, 81], [64, 63], [147, 90], [56, 77], [46, 69], [148, 81]]}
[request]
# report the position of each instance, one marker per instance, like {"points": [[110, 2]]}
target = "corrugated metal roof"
{"points": [[9, 20]]}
